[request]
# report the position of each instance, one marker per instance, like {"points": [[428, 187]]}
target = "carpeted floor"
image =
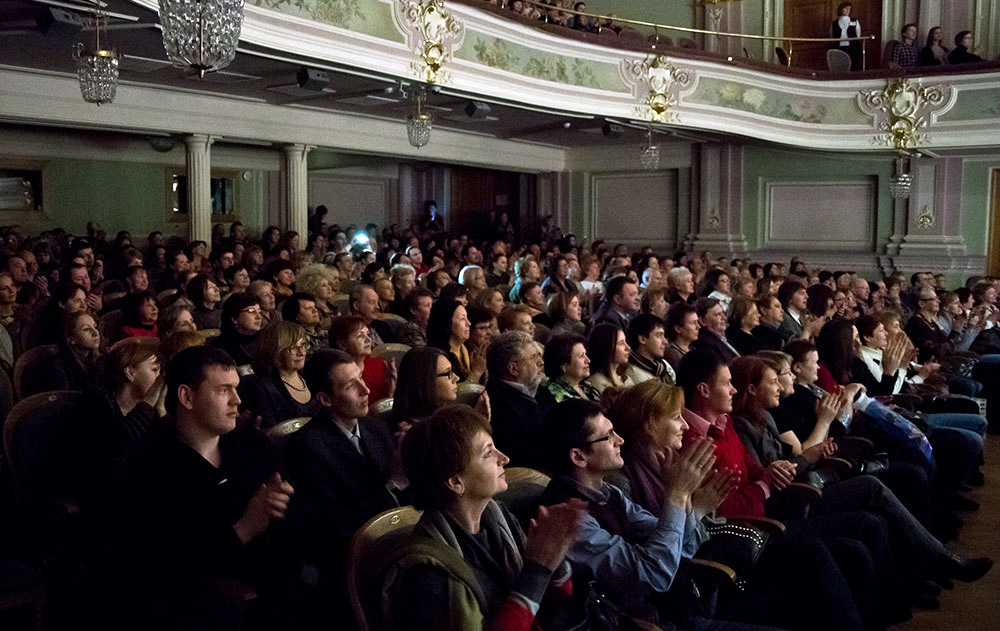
{"points": [[974, 607]]}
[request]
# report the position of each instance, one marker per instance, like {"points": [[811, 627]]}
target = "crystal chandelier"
{"points": [[97, 69], [418, 124], [201, 34], [649, 157], [901, 181]]}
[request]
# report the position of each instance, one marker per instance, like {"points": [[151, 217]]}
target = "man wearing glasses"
{"points": [[632, 554]]}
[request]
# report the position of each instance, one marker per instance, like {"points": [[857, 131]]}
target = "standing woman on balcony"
{"points": [[845, 27]]}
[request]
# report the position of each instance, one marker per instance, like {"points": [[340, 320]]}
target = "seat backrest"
{"points": [[371, 544], [244, 370], [782, 55], [687, 42], [382, 405], [109, 298], [280, 432], [887, 50], [838, 61], [30, 433], [468, 393], [110, 326], [390, 352], [524, 491], [6, 394], [28, 364], [210, 333]]}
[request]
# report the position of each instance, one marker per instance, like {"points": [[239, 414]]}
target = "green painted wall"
{"points": [[672, 12], [975, 205], [760, 163], [122, 196]]}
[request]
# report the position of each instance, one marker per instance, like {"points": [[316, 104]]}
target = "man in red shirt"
{"points": [[708, 396]]}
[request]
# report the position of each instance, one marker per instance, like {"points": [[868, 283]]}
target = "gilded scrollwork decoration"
{"points": [[658, 84], [432, 32], [926, 220], [902, 111]]}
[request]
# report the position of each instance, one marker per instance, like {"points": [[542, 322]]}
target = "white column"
{"points": [[199, 187], [297, 190]]}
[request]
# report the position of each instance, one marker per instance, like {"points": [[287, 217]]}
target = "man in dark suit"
{"points": [[793, 297], [514, 365], [712, 335], [621, 300], [771, 316], [342, 467]]}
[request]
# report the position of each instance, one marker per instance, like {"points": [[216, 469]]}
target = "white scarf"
{"points": [[846, 24], [872, 357]]}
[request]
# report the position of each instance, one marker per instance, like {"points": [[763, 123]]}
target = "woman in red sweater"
{"points": [[350, 334]]}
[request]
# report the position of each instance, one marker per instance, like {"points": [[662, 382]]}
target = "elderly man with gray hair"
{"points": [[514, 364]]}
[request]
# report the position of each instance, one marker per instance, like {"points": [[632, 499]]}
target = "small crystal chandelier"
{"points": [[649, 157], [418, 124], [97, 69], [201, 34], [901, 182]]}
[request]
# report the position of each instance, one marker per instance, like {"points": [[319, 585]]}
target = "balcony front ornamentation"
{"points": [[658, 83], [433, 34]]}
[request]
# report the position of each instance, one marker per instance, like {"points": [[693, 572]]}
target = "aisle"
{"points": [[972, 607]]}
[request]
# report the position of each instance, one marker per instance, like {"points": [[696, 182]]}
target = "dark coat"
{"points": [[742, 341], [713, 343], [517, 424], [337, 489], [264, 395]]}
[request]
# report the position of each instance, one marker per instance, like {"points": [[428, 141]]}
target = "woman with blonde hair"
{"points": [[321, 282], [277, 391]]}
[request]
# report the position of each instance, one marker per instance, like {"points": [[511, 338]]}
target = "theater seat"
{"points": [[280, 432], [26, 368], [468, 393], [367, 554], [390, 352], [524, 490]]}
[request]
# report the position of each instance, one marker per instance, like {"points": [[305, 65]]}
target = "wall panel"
{"points": [[635, 207], [811, 215]]}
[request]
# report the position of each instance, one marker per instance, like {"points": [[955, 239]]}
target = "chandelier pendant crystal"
{"points": [[97, 69], [201, 34], [901, 182], [649, 156], [418, 124]]}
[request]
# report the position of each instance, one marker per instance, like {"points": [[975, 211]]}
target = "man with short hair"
{"points": [[364, 302], [419, 302], [792, 295], [621, 300], [648, 344], [515, 368], [300, 308], [905, 53], [417, 259], [471, 255], [712, 334], [198, 502], [18, 271], [345, 468], [861, 292], [771, 316], [652, 279]]}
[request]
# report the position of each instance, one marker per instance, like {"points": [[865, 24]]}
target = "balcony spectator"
{"points": [[963, 46], [905, 53], [933, 53]]}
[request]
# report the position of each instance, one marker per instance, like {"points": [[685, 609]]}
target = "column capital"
{"points": [[197, 141], [298, 150]]}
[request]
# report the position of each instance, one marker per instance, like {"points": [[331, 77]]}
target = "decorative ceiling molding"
{"points": [[658, 84], [902, 111], [432, 32]]}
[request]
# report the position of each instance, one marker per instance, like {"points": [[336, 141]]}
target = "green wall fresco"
{"points": [[498, 53], [975, 104], [370, 17], [775, 103]]}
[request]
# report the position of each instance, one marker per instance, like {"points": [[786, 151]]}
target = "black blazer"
{"points": [[713, 343], [606, 314], [337, 489], [263, 394], [517, 424], [768, 337], [742, 341]]}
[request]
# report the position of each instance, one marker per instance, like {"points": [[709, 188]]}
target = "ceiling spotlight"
{"points": [[477, 110]]}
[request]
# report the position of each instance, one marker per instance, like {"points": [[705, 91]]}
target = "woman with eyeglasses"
{"points": [[448, 329], [241, 323], [277, 391]]}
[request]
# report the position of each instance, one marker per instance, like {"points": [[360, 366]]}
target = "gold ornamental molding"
{"points": [[658, 84], [902, 111], [432, 32]]}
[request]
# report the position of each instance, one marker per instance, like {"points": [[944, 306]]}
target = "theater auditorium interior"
{"points": [[499, 314]]}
